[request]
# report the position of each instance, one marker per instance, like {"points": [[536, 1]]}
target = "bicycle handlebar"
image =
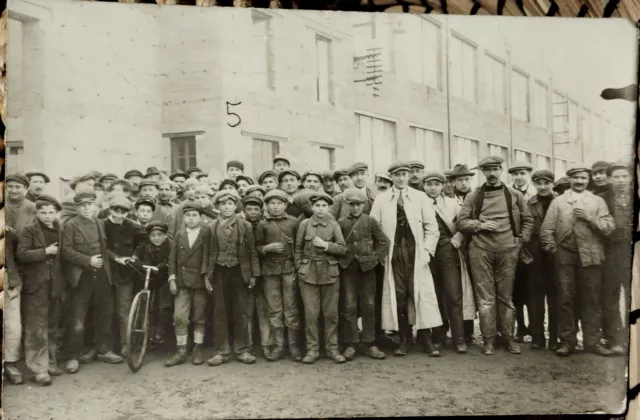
{"points": [[150, 268]]}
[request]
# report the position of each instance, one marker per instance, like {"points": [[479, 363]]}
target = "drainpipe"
{"points": [[448, 90]]}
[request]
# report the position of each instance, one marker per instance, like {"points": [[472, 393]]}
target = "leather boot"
{"points": [[198, 359], [403, 349], [13, 374], [429, 346], [294, 349], [53, 370], [178, 358], [278, 348], [42, 379], [489, 347]]}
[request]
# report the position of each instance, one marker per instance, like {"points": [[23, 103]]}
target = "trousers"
{"points": [[542, 285], [12, 326], [231, 310], [448, 286], [321, 299], [123, 297], [186, 301], [358, 289], [259, 314], [617, 276], [162, 309], [281, 293], [522, 297], [41, 318], [402, 265]]}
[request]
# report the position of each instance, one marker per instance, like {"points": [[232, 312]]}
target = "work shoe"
{"points": [[197, 358], [294, 354], [618, 350], [564, 350], [513, 348], [72, 366], [178, 358], [402, 350], [110, 357], [246, 358], [310, 358], [489, 348], [89, 356], [218, 360], [537, 345], [54, 370], [266, 352], [336, 356], [349, 353], [375, 353], [461, 348], [599, 349], [124, 352], [429, 347], [13, 374], [276, 354], [468, 340], [42, 379]]}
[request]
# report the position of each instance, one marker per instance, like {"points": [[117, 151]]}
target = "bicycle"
{"points": [[138, 325]]}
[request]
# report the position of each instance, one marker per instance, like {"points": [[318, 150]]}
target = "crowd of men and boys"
{"points": [[300, 258]]}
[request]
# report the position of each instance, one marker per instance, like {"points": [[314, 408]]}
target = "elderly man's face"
{"points": [[600, 178]]}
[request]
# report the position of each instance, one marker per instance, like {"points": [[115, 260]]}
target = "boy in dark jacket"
{"points": [[42, 289], [319, 242], [367, 246], [187, 271]]}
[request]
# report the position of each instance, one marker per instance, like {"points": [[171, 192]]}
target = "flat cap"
{"points": [[460, 169], [191, 182], [358, 166], [231, 182], [177, 174], [125, 184], [108, 177], [399, 166], [148, 183], [86, 196], [81, 178], [98, 186], [120, 201], [281, 157], [224, 195], [320, 195], [252, 200], [619, 165], [145, 202], [265, 175], [165, 181], [133, 172], [152, 171], [288, 172], [47, 200], [385, 176], [327, 174], [562, 182], [490, 161], [42, 174], [600, 166], [193, 169], [543, 174], [18, 178], [202, 175], [204, 189], [448, 172], [191, 205], [577, 168], [314, 173], [245, 178], [235, 164], [519, 166], [252, 188], [415, 164], [338, 173], [354, 195], [279, 194], [431, 175], [95, 174], [157, 225]]}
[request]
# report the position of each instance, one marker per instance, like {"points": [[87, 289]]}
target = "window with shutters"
{"points": [[429, 148], [327, 158], [324, 74], [540, 105], [263, 153], [376, 142], [543, 162], [503, 152], [183, 152], [560, 168], [463, 69], [520, 95], [522, 156], [495, 93]]}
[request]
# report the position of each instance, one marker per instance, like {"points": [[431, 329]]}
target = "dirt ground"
{"points": [[472, 384]]}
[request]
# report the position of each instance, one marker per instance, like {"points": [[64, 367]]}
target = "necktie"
{"points": [[400, 199], [435, 202]]}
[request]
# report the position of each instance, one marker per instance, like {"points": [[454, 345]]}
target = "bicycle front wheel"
{"points": [[138, 330]]}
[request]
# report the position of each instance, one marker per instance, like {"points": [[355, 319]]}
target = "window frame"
{"points": [[527, 78], [464, 40], [330, 65]]}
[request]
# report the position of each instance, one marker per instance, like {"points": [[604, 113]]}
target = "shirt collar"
{"points": [[193, 230], [270, 217], [316, 222], [396, 192]]}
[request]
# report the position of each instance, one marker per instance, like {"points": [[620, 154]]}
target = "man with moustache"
{"points": [[383, 182], [417, 171], [37, 183], [573, 230], [328, 184], [499, 222], [358, 173]]}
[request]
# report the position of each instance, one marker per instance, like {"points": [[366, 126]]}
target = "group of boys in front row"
{"points": [[292, 252]]}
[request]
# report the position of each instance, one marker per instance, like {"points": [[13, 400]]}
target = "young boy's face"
{"points": [[144, 214], [433, 188], [544, 187], [290, 184], [242, 184], [257, 193], [228, 187], [276, 207], [86, 210], [233, 173], [520, 178], [227, 207], [269, 183], [356, 208], [117, 214], [320, 208], [157, 237], [191, 218], [252, 212], [47, 214], [203, 200]]}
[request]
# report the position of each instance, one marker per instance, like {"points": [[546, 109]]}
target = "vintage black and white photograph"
{"points": [[259, 213]]}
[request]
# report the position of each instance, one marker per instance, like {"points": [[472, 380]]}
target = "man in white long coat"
{"points": [[408, 294]]}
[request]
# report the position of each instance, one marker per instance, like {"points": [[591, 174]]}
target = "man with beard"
{"points": [[358, 173], [499, 222], [599, 177], [618, 256], [342, 178], [328, 184], [37, 182], [449, 185], [417, 171], [383, 182], [573, 230]]}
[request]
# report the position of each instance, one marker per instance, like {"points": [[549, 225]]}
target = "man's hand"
{"points": [[581, 214], [207, 284], [277, 247], [427, 259], [173, 287], [319, 242], [490, 226], [96, 261], [252, 283], [123, 260], [51, 249], [455, 242]]}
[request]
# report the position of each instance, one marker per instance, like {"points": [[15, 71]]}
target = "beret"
{"points": [[204, 189], [399, 166], [202, 175], [45, 200], [434, 175], [600, 166], [223, 195], [384, 176], [340, 173], [577, 168], [490, 161], [250, 199], [354, 195], [288, 172], [82, 178], [357, 167], [126, 185], [191, 205], [252, 188], [42, 174], [191, 182], [148, 183], [619, 165], [177, 174], [460, 170], [193, 169], [85, 196], [281, 157], [152, 170], [235, 164], [108, 176], [120, 201], [279, 194], [244, 178], [231, 182], [320, 195], [157, 225], [415, 164], [520, 166], [543, 174], [133, 172], [144, 201], [18, 178], [316, 173], [265, 175]]}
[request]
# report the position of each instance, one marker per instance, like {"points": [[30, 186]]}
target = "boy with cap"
{"points": [[312, 180], [367, 246], [574, 230], [600, 177], [43, 286], [268, 180], [234, 169], [275, 243], [319, 242], [144, 211], [280, 163], [155, 252], [37, 183], [187, 272], [232, 268], [461, 176], [89, 276], [255, 191], [134, 177], [202, 197], [541, 270], [358, 173], [148, 189]]}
